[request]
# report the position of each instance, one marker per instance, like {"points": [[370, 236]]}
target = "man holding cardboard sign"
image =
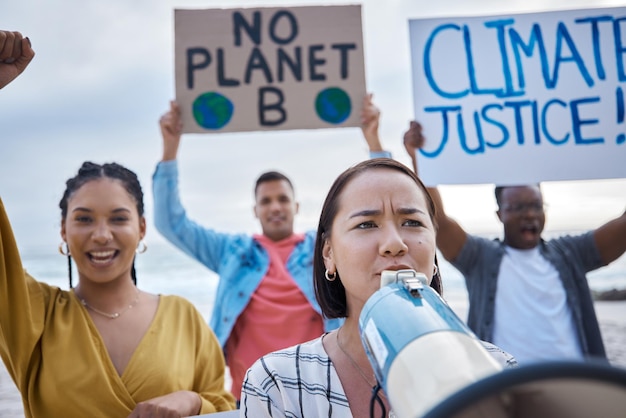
{"points": [[265, 298], [256, 69], [519, 99]]}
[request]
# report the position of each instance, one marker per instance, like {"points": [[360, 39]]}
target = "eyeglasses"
{"points": [[523, 207]]}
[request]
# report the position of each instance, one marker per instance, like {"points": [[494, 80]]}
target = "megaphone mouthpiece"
{"points": [[411, 280]]}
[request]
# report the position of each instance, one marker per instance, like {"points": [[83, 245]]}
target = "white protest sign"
{"points": [[254, 69], [522, 98]]}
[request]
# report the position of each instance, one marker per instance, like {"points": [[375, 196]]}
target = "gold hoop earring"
{"points": [[64, 249], [330, 277], [142, 247]]}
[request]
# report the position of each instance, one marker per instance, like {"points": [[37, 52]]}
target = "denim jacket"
{"points": [[239, 260]]}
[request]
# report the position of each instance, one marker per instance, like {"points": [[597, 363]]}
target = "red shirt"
{"points": [[277, 316]]}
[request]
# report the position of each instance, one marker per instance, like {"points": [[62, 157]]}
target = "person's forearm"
{"points": [[414, 163], [171, 131], [169, 152], [373, 141], [436, 196], [433, 191]]}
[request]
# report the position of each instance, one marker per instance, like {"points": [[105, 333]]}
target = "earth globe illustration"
{"points": [[333, 105], [211, 110]]}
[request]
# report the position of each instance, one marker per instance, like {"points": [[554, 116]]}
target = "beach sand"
{"points": [[611, 315]]}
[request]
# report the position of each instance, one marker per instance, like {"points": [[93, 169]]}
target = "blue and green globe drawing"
{"points": [[333, 105], [212, 110]]}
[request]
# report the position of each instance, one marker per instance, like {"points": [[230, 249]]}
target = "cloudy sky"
{"points": [[103, 74]]}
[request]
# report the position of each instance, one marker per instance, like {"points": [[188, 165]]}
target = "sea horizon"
{"points": [[164, 269]]}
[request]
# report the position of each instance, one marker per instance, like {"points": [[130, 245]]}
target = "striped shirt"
{"points": [[301, 381]]}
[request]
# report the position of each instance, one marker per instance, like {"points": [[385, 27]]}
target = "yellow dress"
{"points": [[60, 364]]}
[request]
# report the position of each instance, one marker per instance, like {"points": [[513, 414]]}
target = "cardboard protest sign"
{"points": [[521, 98], [253, 69]]}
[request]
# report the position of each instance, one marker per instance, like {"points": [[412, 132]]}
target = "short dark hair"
{"points": [[500, 189], [498, 192], [331, 296], [271, 176]]}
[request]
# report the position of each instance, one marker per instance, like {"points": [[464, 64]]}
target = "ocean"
{"points": [[166, 270]]}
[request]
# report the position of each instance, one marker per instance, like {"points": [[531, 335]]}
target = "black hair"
{"points": [[500, 189], [331, 296], [498, 193], [271, 176], [91, 171]]}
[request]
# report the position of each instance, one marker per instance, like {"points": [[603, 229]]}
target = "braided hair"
{"points": [[91, 171]]}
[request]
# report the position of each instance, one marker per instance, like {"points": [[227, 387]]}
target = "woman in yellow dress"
{"points": [[104, 348]]}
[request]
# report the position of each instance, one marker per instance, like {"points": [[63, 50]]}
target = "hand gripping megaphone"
{"points": [[430, 364]]}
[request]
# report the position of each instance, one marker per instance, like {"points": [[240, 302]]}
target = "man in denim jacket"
{"points": [[265, 298]]}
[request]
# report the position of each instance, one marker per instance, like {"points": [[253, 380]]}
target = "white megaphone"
{"points": [[430, 364]]}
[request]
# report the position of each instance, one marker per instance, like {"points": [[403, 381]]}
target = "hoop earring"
{"points": [[141, 247], [330, 277], [435, 270], [64, 249]]}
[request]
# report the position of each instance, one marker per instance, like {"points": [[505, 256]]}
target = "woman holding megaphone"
{"points": [[378, 216]]}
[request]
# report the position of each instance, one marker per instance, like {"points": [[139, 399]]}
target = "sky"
{"points": [[103, 74]]}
